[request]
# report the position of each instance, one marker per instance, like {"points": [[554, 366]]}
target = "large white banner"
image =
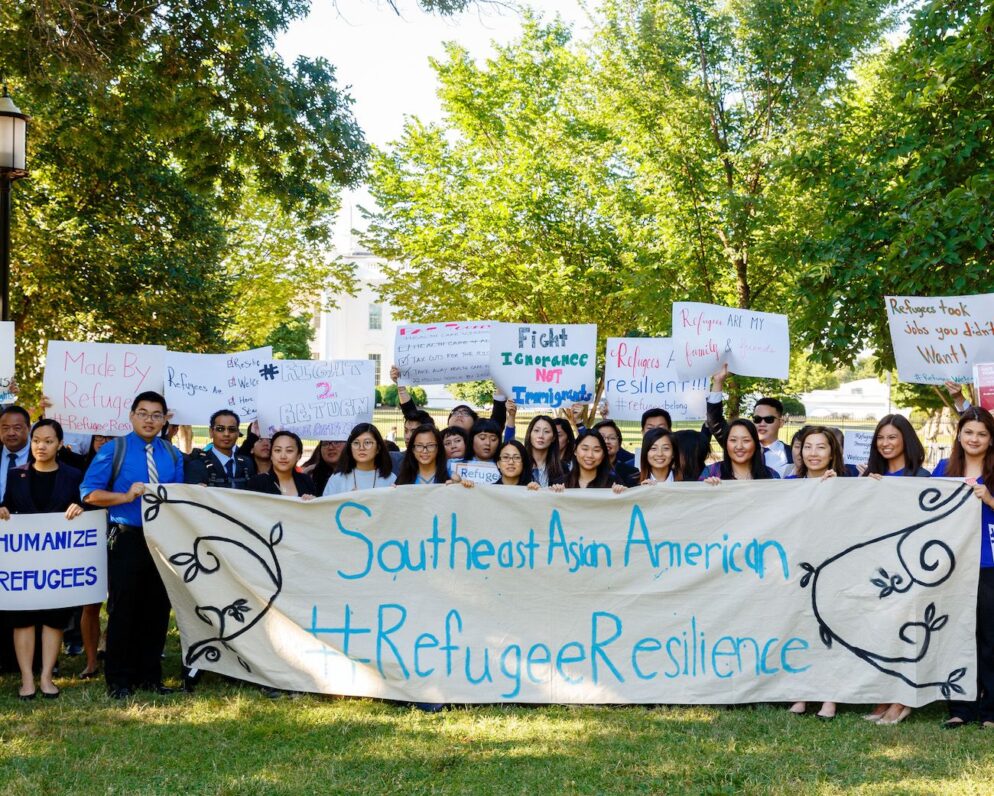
{"points": [[442, 353], [852, 590], [940, 339], [706, 336], [92, 385], [47, 561], [639, 374], [316, 399], [197, 385], [540, 365]]}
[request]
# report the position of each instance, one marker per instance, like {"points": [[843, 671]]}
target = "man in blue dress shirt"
{"points": [[137, 604]]}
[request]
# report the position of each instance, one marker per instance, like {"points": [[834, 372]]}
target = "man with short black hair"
{"points": [[221, 466], [15, 423], [137, 604]]}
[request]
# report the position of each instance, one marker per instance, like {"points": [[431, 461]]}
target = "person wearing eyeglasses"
{"points": [[365, 463], [323, 462], [767, 417], [516, 466], [424, 459], [222, 465], [137, 604]]}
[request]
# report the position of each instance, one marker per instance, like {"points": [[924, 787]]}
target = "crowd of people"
{"points": [[37, 474]]}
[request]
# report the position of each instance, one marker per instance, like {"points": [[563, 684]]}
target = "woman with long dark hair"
{"points": [[515, 465], [566, 439], [321, 464], [542, 444], [365, 463], [591, 465], [424, 459], [896, 450], [660, 459], [743, 460]]}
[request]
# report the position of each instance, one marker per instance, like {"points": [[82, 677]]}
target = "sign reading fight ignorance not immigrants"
{"points": [[850, 589], [940, 339], [47, 561], [316, 399], [197, 385], [639, 374], [442, 353], [91, 385], [706, 336], [544, 365]]}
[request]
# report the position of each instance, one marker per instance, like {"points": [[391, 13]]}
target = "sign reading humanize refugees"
{"points": [[851, 590]]}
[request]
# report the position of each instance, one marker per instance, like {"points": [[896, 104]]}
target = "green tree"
{"points": [[292, 337]]}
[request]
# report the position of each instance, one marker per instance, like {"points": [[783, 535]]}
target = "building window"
{"points": [[375, 359], [375, 316]]}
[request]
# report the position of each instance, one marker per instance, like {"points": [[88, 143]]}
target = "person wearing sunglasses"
{"points": [[222, 465], [424, 459], [767, 417], [365, 463]]}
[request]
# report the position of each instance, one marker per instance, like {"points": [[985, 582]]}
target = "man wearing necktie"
{"points": [[15, 423], [137, 604]]}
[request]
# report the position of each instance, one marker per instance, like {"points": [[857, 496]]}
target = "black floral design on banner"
{"points": [[914, 558], [238, 617]]}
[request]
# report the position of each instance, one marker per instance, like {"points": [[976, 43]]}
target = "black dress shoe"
{"points": [[157, 688], [51, 694], [27, 697], [953, 724], [123, 692]]}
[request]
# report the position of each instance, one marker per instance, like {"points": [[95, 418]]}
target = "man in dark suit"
{"points": [[14, 425], [221, 466]]}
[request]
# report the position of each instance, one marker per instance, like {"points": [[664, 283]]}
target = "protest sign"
{"points": [[940, 339], [316, 399], [983, 383], [477, 472], [47, 561], [197, 385], [442, 353], [639, 374], [848, 589], [707, 336], [857, 446], [92, 385], [544, 365], [7, 364]]}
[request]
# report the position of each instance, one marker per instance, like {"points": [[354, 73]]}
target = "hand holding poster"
{"points": [[316, 399], [477, 472], [197, 385], [640, 374], [707, 336], [544, 365], [940, 339], [7, 364], [983, 383], [91, 385], [442, 353]]}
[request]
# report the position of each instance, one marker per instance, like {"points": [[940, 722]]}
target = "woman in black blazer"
{"points": [[283, 479], [42, 486]]}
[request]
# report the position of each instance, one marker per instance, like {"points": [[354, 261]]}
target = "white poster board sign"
{"points": [[857, 447], [197, 385], [47, 561], [477, 472], [442, 353], [940, 339], [852, 589], [544, 365], [640, 374], [707, 336], [91, 385], [317, 399]]}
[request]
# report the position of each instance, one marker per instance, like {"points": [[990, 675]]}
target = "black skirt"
{"points": [[56, 618]]}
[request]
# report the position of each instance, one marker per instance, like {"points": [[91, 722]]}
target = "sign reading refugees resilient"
{"points": [[640, 374], [546, 365]]}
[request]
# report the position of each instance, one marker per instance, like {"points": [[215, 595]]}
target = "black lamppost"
{"points": [[13, 125]]}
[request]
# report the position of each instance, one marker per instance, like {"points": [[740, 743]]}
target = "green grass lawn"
{"points": [[227, 739]]}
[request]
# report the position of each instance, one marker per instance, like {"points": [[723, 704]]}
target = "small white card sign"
{"points": [[639, 374], [47, 561], [442, 353], [706, 336], [858, 446], [544, 365], [7, 363], [91, 385], [477, 472], [197, 385], [317, 399], [940, 339]]}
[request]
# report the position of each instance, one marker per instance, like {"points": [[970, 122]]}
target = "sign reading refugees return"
{"points": [[314, 398], [707, 336], [852, 589], [197, 385], [940, 339], [92, 385], [544, 365], [7, 363], [640, 374], [47, 561], [442, 353]]}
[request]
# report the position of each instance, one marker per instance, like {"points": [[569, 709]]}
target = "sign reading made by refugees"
{"points": [[92, 385], [442, 353], [940, 339], [197, 385], [848, 589], [640, 374], [314, 398], [707, 336], [543, 365], [47, 561]]}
